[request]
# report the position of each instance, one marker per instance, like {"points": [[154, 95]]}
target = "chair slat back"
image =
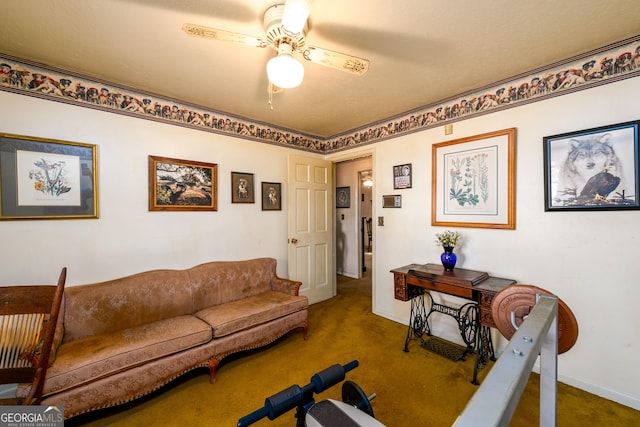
{"points": [[20, 335], [28, 317]]}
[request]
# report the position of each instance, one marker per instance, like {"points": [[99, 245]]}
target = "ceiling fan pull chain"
{"points": [[270, 90]]}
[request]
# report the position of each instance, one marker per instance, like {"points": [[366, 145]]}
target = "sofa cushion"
{"points": [[219, 282], [124, 303], [88, 359], [238, 315]]}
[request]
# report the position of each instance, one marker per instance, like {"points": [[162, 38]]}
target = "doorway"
{"points": [[354, 228], [366, 218]]}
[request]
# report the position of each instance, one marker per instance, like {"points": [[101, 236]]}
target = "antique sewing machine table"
{"points": [[412, 282]]}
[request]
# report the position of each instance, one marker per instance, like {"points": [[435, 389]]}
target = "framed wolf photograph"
{"points": [[592, 169]]}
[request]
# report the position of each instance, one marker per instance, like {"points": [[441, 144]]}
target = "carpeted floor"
{"points": [[418, 388]]}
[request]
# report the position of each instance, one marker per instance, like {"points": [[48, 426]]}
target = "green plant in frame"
{"points": [[469, 179]]}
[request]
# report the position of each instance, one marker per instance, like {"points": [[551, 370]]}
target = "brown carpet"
{"points": [[418, 388]]}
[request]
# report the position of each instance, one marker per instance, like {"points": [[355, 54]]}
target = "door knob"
{"points": [[294, 241]]}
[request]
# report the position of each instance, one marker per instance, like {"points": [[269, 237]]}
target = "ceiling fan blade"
{"points": [[337, 60], [225, 36], [295, 15]]}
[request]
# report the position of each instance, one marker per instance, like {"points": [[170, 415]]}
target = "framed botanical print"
{"points": [[47, 179], [474, 181]]}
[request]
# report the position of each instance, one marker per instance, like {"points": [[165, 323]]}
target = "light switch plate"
{"points": [[448, 129]]}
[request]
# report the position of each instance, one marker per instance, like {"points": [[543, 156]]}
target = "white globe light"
{"points": [[285, 71]]}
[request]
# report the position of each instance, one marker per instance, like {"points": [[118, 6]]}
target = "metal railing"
{"points": [[496, 400]]}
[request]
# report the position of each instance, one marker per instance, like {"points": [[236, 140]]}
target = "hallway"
{"points": [[362, 286]]}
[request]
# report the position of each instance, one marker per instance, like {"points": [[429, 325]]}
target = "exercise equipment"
{"points": [[353, 395], [327, 411], [513, 304]]}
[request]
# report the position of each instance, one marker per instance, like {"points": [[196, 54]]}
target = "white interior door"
{"points": [[310, 216]]}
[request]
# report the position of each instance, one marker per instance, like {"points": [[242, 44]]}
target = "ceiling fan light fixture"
{"points": [[294, 17], [284, 70]]}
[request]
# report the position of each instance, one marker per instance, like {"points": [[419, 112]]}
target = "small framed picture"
{"points": [[343, 197], [182, 185], [242, 189], [593, 169], [271, 196], [402, 176]]}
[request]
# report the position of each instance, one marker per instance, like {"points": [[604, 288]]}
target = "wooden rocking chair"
{"points": [[28, 319]]}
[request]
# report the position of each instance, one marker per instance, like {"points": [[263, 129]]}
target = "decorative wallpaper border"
{"points": [[602, 66], [28, 78]]}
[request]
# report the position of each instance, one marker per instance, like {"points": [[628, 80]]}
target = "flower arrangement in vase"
{"points": [[448, 240]]}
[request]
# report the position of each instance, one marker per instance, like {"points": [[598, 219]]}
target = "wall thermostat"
{"points": [[392, 201]]}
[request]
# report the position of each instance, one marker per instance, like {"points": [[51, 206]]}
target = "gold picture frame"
{"points": [[182, 185], [474, 181], [42, 178]]}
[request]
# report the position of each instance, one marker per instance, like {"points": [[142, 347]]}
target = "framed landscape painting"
{"points": [[474, 181], [182, 185], [47, 179]]}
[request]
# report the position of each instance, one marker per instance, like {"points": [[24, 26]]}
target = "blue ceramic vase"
{"points": [[448, 258]]}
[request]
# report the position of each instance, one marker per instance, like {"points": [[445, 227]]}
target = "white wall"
{"points": [[127, 238], [588, 259]]}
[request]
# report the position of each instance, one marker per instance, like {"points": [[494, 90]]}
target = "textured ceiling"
{"points": [[421, 51]]}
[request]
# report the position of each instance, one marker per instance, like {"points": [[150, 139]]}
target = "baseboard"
{"points": [[606, 393], [347, 274], [402, 320]]}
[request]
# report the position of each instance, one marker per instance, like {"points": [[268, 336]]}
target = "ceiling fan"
{"points": [[285, 31]]}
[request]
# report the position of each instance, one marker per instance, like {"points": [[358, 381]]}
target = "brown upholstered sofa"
{"points": [[127, 337]]}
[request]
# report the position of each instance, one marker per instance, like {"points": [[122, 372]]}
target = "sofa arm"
{"points": [[286, 286]]}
